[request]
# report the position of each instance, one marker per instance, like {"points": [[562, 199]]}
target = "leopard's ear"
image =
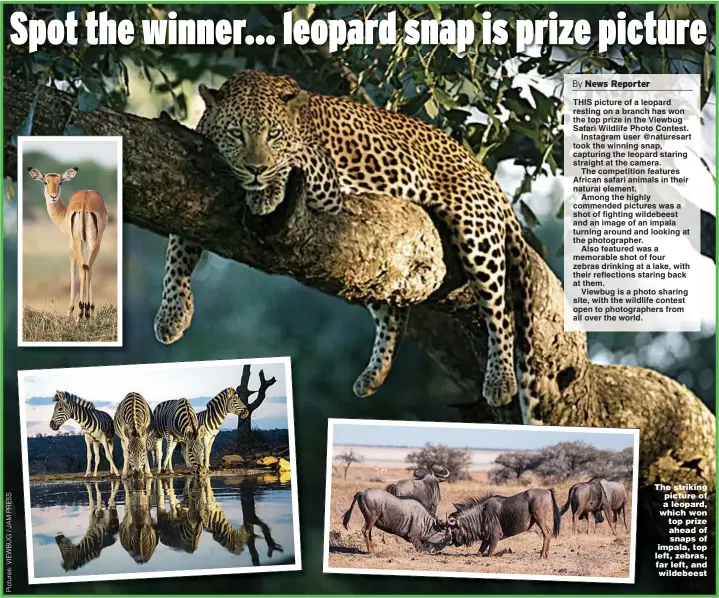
{"points": [[298, 100], [209, 96]]}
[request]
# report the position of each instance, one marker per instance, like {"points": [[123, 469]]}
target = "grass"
{"points": [[49, 326], [597, 554]]}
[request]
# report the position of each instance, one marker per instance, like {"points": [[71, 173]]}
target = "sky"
{"points": [[70, 150], [525, 438], [107, 386]]}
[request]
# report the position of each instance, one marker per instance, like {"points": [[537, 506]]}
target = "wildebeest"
{"points": [[585, 498], [600, 497], [401, 517], [424, 488], [492, 518], [615, 502]]}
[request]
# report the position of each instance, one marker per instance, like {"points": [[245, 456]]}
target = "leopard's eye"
{"points": [[236, 133], [274, 134]]}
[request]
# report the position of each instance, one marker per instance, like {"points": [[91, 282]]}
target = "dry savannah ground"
{"points": [[46, 284], [598, 554]]}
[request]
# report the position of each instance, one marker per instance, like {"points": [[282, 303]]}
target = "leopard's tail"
{"points": [[518, 264]]}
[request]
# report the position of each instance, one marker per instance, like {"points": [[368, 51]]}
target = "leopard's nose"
{"points": [[256, 169]]}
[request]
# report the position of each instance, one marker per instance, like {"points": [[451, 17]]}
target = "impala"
{"points": [[83, 222]]}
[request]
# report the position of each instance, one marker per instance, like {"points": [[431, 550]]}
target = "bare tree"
{"points": [[244, 425], [348, 458]]}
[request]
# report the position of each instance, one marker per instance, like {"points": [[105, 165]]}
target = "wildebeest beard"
{"points": [[472, 521]]}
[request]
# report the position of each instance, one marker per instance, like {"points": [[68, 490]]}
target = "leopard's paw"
{"points": [[174, 317], [368, 383], [500, 383]]}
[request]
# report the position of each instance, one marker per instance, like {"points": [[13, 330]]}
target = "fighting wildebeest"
{"points": [[424, 488], [492, 518], [401, 517], [604, 499]]}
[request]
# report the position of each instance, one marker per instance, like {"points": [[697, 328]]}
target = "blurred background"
{"points": [[505, 107], [45, 254]]}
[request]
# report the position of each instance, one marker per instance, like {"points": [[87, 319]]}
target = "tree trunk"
{"points": [[244, 425], [244, 431], [383, 250]]}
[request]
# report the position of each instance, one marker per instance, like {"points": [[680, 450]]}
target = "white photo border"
{"points": [[20, 201], [326, 568], [297, 566]]}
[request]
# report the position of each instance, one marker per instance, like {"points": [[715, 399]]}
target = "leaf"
{"points": [[9, 189], [87, 101], [436, 11], [707, 78], [457, 117], [414, 105], [528, 215], [431, 107], [444, 98]]}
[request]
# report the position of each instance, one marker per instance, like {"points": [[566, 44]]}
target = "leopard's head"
{"points": [[253, 120]]}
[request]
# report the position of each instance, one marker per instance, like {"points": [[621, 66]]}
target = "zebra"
{"points": [[223, 532], [100, 534], [133, 419], [138, 530], [235, 539], [179, 528], [176, 421], [96, 425], [215, 412]]}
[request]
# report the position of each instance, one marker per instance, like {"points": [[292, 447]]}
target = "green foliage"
{"points": [[455, 460]]}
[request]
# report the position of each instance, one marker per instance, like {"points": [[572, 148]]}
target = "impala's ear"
{"points": [[69, 173], [36, 174], [208, 95]]}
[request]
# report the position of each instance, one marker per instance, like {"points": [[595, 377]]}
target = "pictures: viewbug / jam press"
{"points": [[103, 500], [481, 501]]}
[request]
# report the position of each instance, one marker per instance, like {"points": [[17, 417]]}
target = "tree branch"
{"points": [[262, 391], [384, 250]]}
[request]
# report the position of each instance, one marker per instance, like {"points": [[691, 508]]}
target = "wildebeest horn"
{"points": [[440, 471]]}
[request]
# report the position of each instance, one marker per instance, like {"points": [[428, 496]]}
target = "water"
{"points": [[176, 523]]}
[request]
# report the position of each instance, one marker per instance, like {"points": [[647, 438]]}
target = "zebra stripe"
{"points": [[138, 530], [214, 414], [132, 424], [176, 422], [101, 533], [179, 528], [96, 425]]}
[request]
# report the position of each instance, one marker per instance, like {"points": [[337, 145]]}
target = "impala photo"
{"points": [[70, 214]]}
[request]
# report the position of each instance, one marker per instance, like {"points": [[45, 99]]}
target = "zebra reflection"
{"points": [[180, 527], [235, 539], [138, 530], [101, 532]]}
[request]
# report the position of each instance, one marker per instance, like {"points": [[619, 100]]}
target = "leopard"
{"points": [[265, 125]]}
